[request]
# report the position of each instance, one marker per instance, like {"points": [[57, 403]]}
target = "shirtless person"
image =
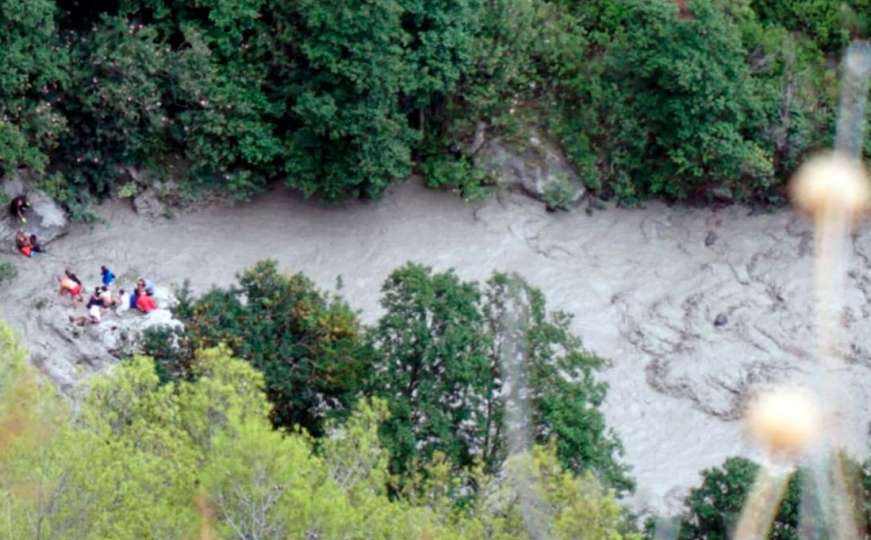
{"points": [[69, 284], [108, 299]]}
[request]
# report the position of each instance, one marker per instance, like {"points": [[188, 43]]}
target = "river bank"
{"points": [[694, 307]]}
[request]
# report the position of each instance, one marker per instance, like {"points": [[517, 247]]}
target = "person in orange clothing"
{"points": [[145, 302]]}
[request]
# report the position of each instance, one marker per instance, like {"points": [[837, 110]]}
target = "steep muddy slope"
{"points": [[694, 307]]}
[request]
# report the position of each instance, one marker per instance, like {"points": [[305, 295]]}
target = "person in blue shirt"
{"points": [[108, 276], [134, 297]]}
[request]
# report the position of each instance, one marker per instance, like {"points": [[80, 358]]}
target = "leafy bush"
{"points": [[8, 272], [558, 194], [471, 182]]}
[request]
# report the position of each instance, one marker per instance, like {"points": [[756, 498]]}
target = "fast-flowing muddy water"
{"points": [[694, 308]]}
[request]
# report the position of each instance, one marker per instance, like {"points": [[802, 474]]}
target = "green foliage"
{"points": [[222, 121], [570, 506], [558, 194], [32, 72], [141, 459], [115, 103], [352, 138], [342, 100], [433, 358], [829, 22], [433, 369], [713, 509], [440, 345], [171, 350], [8, 272], [307, 344], [673, 106], [460, 175]]}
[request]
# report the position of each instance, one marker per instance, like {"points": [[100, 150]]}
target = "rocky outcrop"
{"points": [[149, 205], [67, 352], [534, 165], [146, 192], [45, 218]]}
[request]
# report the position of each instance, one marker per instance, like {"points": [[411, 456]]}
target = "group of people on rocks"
{"points": [[103, 297], [26, 244]]}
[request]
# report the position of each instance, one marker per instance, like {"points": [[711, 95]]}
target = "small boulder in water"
{"points": [[710, 239]]}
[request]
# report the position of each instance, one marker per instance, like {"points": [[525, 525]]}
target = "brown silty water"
{"points": [[695, 308]]}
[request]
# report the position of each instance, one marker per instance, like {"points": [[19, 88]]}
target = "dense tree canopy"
{"points": [[341, 100], [33, 73], [435, 357], [440, 366], [141, 459], [308, 346]]}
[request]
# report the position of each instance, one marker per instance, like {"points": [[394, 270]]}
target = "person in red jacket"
{"points": [[145, 302]]}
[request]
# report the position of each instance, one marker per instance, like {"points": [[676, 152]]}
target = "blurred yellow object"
{"points": [[831, 182], [785, 421]]}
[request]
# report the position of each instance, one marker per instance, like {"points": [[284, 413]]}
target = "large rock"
{"points": [[148, 204], [149, 194], [536, 166], [45, 218], [67, 352]]}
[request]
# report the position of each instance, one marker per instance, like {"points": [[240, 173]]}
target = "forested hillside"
{"points": [[270, 408], [199, 459], [686, 99]]}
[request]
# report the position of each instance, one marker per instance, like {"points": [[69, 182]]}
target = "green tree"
{"points": [[674, 106], [145, 459], [308, 345], [226, 119], [564, 394], [116, 105], [439, 368], [433, 368], [33, 63], [533, 496], [349, 136], [540, 495]]}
